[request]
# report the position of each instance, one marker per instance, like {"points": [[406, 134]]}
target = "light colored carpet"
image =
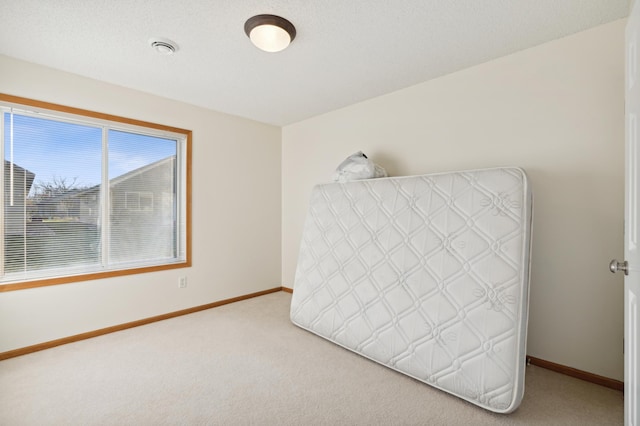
{"points": [[246, 364]]}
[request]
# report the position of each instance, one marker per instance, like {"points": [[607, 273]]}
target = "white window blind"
{"points": [[83, 196]]}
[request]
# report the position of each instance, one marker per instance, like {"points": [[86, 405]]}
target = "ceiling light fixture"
{"points": [[163, 45], [269, 32]]}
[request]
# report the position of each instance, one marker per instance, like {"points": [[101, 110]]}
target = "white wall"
{"points": [[558, 111], [236, 173]]}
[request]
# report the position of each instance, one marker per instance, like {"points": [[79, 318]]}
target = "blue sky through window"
{"points": [[53, 149]]}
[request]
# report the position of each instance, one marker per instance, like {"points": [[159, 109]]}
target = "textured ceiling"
{"points": [[345, 51]]}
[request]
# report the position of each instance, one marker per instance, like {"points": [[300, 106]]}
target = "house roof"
{"points": [[140, 170], [29, 175]]}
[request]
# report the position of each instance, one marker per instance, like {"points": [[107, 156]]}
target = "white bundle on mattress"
{"points": [[427, 275]]}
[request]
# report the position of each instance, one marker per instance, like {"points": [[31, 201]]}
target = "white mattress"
{"points": [[427, 275]]}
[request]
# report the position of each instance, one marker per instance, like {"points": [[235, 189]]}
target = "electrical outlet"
{"points": [[182, 282]]}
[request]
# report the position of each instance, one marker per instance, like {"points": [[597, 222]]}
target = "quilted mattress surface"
{"points": [[427, 275]]}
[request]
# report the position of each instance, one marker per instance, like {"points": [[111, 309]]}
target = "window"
{"points": [[88, 195], [139, 201]]}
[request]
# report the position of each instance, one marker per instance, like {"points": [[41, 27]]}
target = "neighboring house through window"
{"points": [[88, 195]]}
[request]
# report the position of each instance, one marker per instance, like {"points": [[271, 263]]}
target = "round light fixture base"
{"points": [[270, 33]]}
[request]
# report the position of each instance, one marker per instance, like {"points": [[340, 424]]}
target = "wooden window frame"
{"points": [[20, 101]]}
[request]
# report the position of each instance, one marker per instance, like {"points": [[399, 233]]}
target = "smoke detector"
{"points": [[163, 46]]}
